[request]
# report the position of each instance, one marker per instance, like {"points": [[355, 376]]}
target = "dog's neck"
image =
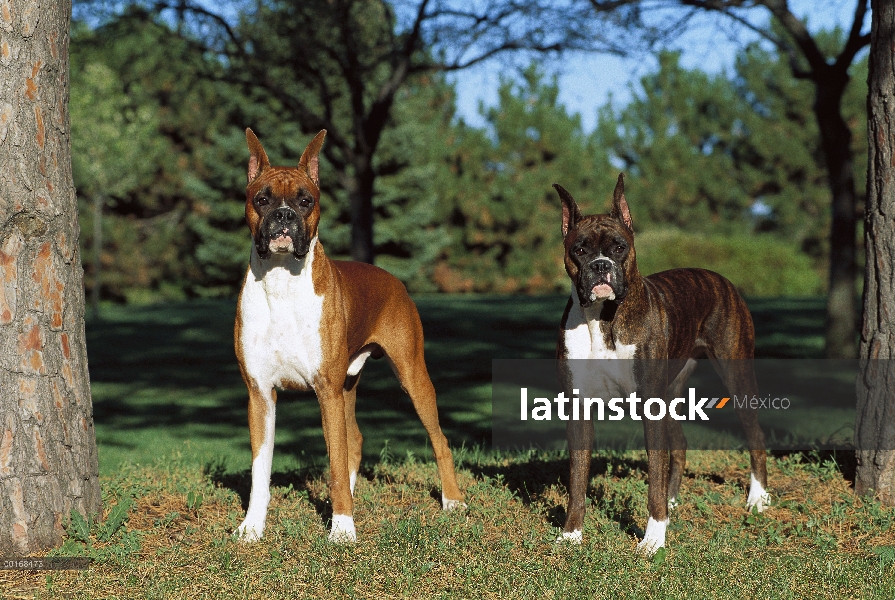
{"points": [[282, 264], [608, 311], [591, 315]]}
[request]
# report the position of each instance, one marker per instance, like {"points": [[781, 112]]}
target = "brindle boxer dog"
{"points": [[307, 322], [672, 318]]}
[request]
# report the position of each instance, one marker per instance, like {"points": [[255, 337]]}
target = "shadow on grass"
{"points": [[172, 369], [842, 460], [530, 479], [295, 479], [788, 327], [169, 373]]}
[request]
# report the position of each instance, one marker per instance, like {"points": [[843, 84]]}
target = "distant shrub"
{"points": [[758, 264]]}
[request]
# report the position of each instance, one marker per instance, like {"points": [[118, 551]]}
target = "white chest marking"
{"points": [[583, 336], [584, 340], [281, 317]]}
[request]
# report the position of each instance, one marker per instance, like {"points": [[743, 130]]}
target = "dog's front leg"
{"points": [[657, 440], [335, 431], [262, 419]]}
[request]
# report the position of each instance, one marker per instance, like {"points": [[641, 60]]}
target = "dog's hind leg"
{"points": [[349, 393], [678, 461], [676, 435], [739, 377], [737, 370], [758, 497], [409, 366], [355, 439]]}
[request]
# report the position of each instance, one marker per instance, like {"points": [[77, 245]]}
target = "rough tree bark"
{"points": [[48, 462], [875, 424]]}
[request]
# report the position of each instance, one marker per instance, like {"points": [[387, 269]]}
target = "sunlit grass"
{"points": [[818, 540]]}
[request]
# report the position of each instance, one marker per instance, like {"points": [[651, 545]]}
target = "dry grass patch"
{"points": [[817, 540]]}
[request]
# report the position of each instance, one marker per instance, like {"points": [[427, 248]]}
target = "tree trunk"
{"points": [[48, 462], [362, 247], [98, 202], [875, 423], [836, 142]]}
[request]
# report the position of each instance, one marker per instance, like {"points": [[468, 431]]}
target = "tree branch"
{"points": [[184, 6], [800, 35], [855, 40]]}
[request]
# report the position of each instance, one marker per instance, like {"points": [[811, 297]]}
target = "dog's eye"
{"points": [[579, 251], [306, 202], [262, 201], [619, 249]]}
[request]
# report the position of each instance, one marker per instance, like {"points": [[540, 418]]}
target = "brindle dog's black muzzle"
{"points": [[600, 271], [601, 268]]}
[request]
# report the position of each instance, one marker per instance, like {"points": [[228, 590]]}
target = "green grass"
{"points": [[174, 459], [818, 540]]}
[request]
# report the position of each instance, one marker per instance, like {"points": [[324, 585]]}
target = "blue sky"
{"points": [[586, 81]]}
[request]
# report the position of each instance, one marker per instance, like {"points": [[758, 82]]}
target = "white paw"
{"points": [[449, 505], [654, 538], [673, 503], [570, 537], [758, 498], [758, 501], [249, 532], [342, 530]]}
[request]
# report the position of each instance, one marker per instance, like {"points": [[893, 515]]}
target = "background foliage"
{"points": [[724, 171]]}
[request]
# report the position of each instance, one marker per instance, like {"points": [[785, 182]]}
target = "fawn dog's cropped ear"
{"points": [[619, 205], [258, 157], [570, 213], [310, 158]]}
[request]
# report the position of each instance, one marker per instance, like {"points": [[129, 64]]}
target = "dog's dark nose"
{"points": [[284, 214], [601, 266]]}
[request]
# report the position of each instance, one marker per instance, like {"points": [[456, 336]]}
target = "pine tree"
{"points": [[504, 212]]}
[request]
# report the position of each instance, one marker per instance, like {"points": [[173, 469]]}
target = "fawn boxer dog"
{"points": [[304, 322], [681, 314]]}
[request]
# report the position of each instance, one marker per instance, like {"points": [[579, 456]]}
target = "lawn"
{"points": [[174, 458]]}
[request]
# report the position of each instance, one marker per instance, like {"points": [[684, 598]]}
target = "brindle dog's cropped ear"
{"points": [[570, 212], [310, 160], [620, 205], [258, 157]]}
